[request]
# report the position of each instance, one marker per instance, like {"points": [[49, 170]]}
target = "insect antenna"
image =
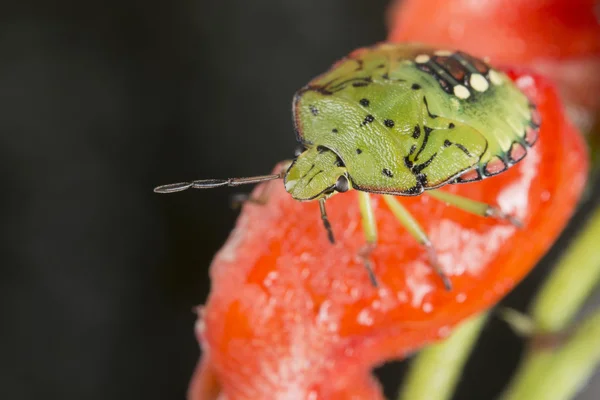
{"points": [[214, 183], [326, 220]]}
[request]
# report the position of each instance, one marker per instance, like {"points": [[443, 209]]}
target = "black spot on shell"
{"points": [[364, 102], [463, 149], [381, 66], [427, 107], [389, 123], [447, 143], [360, 84], [387, 173], [313, 110], [368, 119], [415, 190], [415, 86], [358, 151], [334, 130], [451, 125], [385, 76], [416, 132]]}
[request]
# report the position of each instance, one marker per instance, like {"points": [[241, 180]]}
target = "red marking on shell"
{"points": [[517, 152], [479, 65], [469, 176], [535, 116], [455, 68], [531, 135], [495, 166]]}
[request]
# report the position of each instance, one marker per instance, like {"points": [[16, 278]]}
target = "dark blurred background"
{"points": [[102, 101]]}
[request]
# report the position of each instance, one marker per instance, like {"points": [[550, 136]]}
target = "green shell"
{"points": [[404, 118]]}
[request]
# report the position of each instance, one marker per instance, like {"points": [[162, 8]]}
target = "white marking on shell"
{"points": [[461, 92], [495, 77], [422, 58], [443, 53], [479, 83]]}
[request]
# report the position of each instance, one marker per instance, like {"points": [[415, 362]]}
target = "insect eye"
{"points": [[342, 184], [299, 150]]}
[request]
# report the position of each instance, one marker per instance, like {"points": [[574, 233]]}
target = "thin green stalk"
{"points": [[553, 310], [436, 370], [574, 363], [571, 282], [560, 374]]}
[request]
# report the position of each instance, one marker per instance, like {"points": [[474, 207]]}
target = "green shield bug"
{"points": [[401, 120]]}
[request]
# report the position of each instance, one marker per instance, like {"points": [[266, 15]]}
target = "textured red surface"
{"points": [[512, 30], [558, 38], [291, 316]]}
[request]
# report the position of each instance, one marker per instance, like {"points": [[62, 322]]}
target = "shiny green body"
{"points": [[403, 118]]}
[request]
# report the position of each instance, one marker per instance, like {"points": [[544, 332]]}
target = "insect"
{"points": [[401, 120]]}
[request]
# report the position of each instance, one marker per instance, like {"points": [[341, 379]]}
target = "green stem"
{"points": [[553, 310], [574, 363], [559, 374], [435, 371], [571, 282]]}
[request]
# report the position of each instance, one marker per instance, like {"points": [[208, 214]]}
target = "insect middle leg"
{"points": [[413, 227], [473, 206], [370, 229]]}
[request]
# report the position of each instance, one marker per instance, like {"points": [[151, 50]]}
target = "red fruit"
{"points": [[512, 30], [557, 38], [291, 316]]}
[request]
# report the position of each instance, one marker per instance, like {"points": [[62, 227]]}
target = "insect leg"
{"points": [[370, 229], [413, 227], [473, 206], [325, 220]]}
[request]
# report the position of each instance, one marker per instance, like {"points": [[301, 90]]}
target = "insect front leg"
{"points": [[239, 199], [473, 206], [413, 227], [370, 229]]}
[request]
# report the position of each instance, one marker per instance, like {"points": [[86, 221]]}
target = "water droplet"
{"points": [[323, 315], [545, 196], [427, 307], [525, 81], [402, 297], [444, 332], [461, 297], [365, 317], [270, 278]]}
